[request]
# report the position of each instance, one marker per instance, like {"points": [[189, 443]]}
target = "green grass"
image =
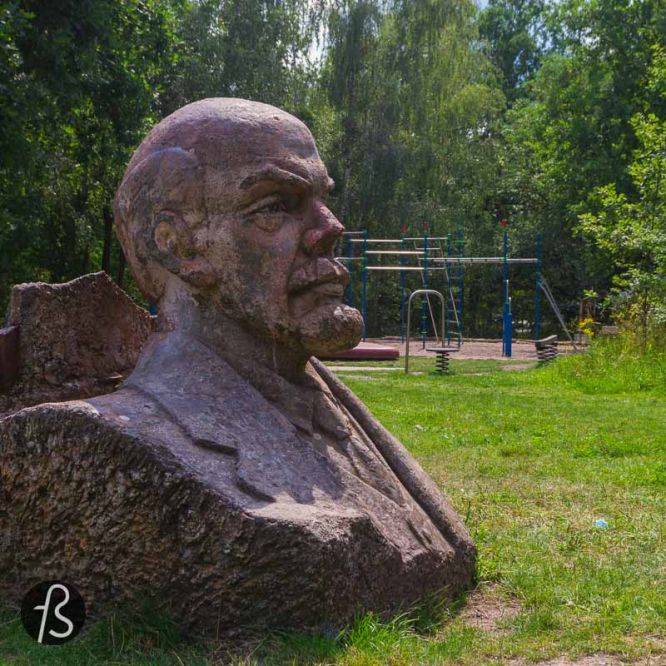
{"points": [[421, 365], [531, 459]]}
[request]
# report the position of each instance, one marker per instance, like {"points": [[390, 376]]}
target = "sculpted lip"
{"points": [[326, 275], [330, 288]]}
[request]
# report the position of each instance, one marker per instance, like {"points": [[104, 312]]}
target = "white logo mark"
{"points": [[56, 612]]}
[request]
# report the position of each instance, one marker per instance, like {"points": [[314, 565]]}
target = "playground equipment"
{"points": [[443, 355], [546, 349], [428, 255], [426, 293], [416, 254], [553, 304]]}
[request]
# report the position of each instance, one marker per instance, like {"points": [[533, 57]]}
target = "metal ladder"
{"points": [[424, 284], [452, 325]]}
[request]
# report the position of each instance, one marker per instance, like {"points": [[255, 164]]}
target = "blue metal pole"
{"points": [[461, 285], [424, 304], [509, 328], [364, 310], [402, 290], [448, 299], [506, 347], [350, 256], [537, 296], [505, 275]]}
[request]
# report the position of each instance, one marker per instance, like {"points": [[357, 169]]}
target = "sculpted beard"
{"points": [[322, 322], [329, 328]]}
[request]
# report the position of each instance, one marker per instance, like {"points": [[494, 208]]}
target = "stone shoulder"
{"points": [[83, 429]]}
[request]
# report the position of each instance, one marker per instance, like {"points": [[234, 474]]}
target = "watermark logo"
{"points": [[53, 612]]}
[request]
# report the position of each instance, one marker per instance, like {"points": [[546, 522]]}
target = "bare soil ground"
{"points": [[605, 660], [599, 660], [488, 610]]}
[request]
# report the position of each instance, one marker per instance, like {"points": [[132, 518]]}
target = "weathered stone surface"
{"points": [[9, 356], [231, 476], [111, 494], [76, 339]]}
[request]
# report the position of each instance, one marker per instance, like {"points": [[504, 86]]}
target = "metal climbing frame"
{"points": [[553, 304], [425, 255], [432, 250]]}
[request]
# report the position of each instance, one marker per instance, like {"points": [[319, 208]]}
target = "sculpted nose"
{"points": [[321, 238]]}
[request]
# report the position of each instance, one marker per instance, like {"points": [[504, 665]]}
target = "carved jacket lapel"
{"points": [[220, 410]]}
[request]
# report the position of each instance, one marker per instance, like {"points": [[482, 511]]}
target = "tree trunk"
{"points": [[120, 275], [108, 240]]}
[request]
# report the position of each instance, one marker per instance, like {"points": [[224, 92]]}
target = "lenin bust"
{"points": [[231, 477]]}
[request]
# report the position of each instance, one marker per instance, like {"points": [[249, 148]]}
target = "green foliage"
{"points": [[632, 228], [514, 31], [256, 49], [570, 131], [417, 103], [83, 81]]}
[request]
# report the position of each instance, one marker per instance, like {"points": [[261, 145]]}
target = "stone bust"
{"points": [[232, 476], [223, 220]]}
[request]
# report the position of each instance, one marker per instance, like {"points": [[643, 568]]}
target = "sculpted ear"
{"points": [[158, 186], [173, 239], [166, 234], [178, 253]]}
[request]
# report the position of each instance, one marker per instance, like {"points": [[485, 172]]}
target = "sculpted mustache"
{"points": [[319, 271]]}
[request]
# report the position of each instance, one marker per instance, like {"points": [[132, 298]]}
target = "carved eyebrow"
{"points": [[277, 175], [287, 176]]}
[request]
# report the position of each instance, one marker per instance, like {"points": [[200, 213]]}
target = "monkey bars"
{"points": [[426, 256]]}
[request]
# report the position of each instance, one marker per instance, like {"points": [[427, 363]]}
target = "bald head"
{"points": [[202, 159], [222, 130]]}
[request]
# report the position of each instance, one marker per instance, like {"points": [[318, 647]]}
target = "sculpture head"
{"points": [[223, 205]]}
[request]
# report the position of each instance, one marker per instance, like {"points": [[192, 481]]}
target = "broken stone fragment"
{"points": [[70, 340]]}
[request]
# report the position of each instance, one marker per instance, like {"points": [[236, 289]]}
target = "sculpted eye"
{"points": [[269, 213], [279, 206], [283, 203]]}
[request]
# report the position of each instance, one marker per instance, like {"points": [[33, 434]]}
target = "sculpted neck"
{"points": [[246, 352]]}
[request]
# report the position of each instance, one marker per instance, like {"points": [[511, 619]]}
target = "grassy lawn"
{"points": [[532, 459]]}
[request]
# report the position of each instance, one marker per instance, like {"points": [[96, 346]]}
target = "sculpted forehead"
{"points": [[232, 139], [227, 124]]}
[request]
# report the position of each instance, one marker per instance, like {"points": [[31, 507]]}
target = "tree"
{"points": [[84, 79], [631, 228], [516, 38], [572, 132]]}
